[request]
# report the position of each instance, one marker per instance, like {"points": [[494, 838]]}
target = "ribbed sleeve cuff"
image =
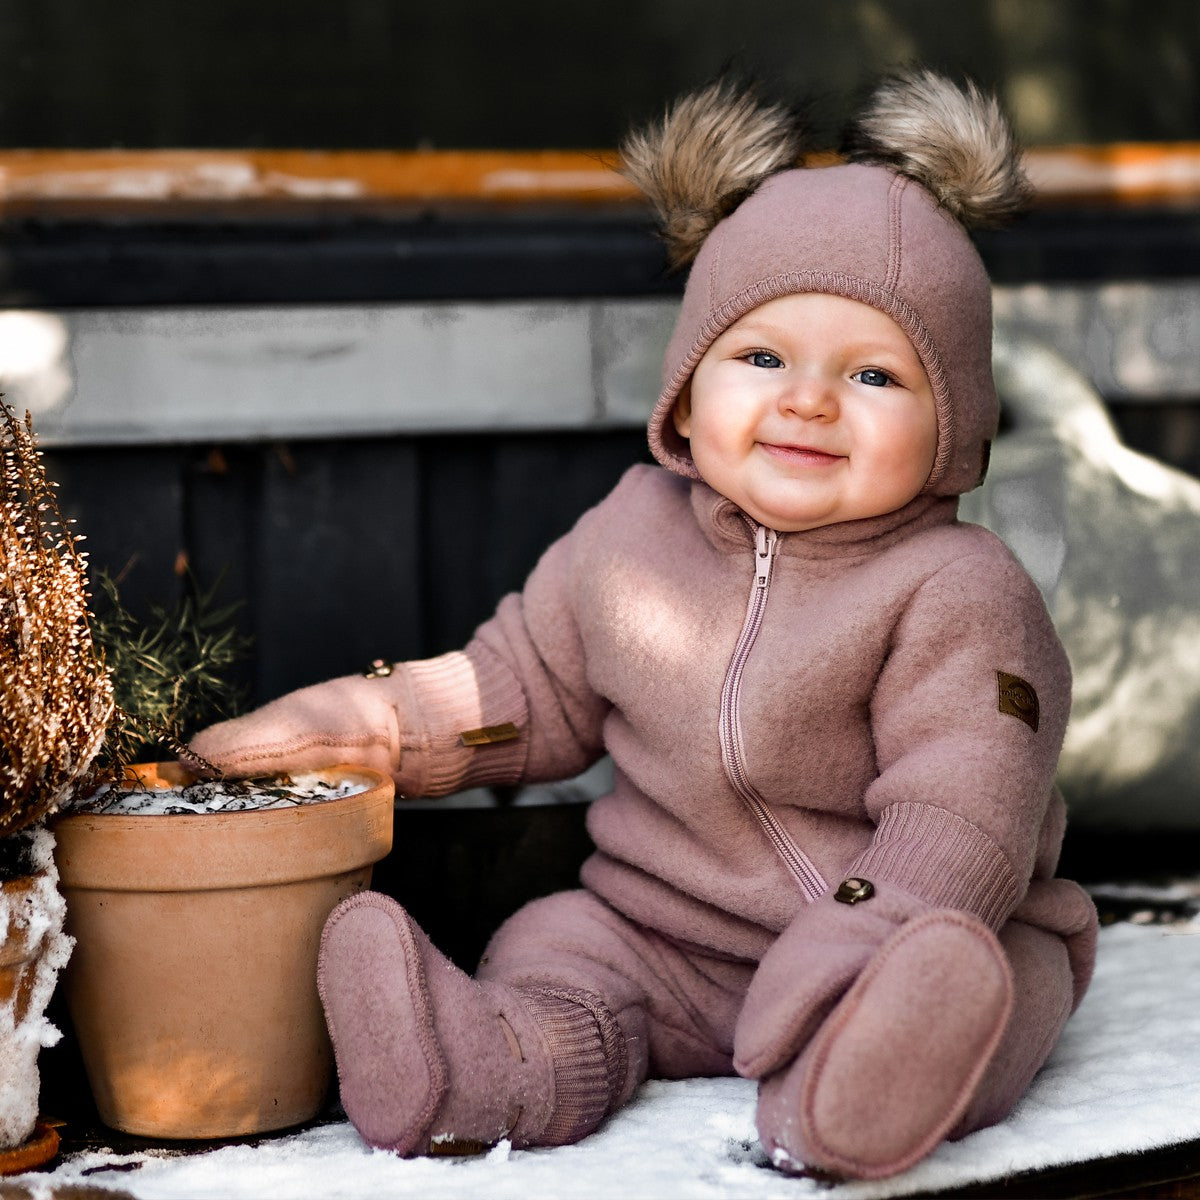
{"points": [[501, 704], [470, 726], [940, 858]]}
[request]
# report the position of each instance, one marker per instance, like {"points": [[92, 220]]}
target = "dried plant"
{"points": [[56, 696]]}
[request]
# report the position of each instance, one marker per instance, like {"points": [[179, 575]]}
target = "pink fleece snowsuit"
{"points": [[827, 861], [882, 699]]}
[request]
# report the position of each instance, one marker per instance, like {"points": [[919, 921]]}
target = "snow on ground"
{"points": [[1125, 1077]]}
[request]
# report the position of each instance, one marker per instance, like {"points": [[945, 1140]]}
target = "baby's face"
{"points": [[811, 410]]}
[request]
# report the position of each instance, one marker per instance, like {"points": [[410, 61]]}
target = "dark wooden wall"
{"points": [[340, 552]]}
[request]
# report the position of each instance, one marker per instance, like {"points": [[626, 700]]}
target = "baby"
{"points": [[834, 712]]}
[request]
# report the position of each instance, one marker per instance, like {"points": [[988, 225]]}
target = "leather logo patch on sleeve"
{"points": [[1018, 699], [489, 735]]}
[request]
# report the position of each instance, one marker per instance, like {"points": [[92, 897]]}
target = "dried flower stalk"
{"points": [[56, 698]]}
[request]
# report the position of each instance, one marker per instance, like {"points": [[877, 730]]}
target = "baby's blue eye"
{"points": [[763, 358], [873, 377]]}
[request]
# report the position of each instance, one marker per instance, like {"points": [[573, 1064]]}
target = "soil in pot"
{"points": [[193, 985]]}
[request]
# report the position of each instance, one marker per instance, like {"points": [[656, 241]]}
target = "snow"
{"points": [[219, 797], [41, 912], [1123, 1078]]}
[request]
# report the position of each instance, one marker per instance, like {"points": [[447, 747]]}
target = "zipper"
{"points": [[766, 545]]}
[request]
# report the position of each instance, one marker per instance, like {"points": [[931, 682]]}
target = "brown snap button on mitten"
{"points": [[851, 891]]}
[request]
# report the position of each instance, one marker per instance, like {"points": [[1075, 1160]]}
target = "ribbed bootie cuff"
{"points": [[588, 1055]]}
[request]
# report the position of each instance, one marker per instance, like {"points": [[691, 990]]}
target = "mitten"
{"points": [[894, 1066], [811, 966], [422, 722], [872, 1018], [922, 858]]}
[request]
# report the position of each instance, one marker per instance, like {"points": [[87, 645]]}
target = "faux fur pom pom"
{"points": [[707, 154], [954, 141]]}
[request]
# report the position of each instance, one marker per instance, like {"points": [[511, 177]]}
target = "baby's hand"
{"points": [[808, 970], [354, 719], [870, 1024]]}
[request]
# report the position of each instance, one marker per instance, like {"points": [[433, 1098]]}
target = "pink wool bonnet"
{"points": [[889, 228]]}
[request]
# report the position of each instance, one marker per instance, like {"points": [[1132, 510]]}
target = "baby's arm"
{"points": [[514, 703], [968, 715], [964, 782]]}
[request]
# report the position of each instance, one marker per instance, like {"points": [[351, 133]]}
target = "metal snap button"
{"points": [[851, 891]]}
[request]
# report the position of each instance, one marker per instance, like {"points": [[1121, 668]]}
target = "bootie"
{"points": [[894, 1066], [431, 1061]]}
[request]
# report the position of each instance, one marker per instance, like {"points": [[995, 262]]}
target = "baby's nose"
{"points": [[809, 398]]}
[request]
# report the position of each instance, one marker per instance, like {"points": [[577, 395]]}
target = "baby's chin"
{"points": [[789, 520], [803, 518]]}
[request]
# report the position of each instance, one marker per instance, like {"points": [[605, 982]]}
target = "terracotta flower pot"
{"points": [[192, 988]]}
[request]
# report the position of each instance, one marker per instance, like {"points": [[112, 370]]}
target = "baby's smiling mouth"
{"points": [[808, 455]]}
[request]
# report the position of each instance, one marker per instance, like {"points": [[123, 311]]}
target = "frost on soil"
{"points": [[220, 796], [38, 914]]}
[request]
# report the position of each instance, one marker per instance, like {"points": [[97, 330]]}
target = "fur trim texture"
{"points": [[708, 153], [956, 142]]}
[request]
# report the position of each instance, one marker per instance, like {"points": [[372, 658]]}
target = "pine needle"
{"points": [[170, 672]]}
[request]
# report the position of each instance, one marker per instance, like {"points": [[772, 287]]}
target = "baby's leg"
{"points": [[431, 1060], [1051, 952], [676, 1009], [1042, 1002]]}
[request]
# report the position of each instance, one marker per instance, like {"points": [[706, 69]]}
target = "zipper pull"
{"points": [[765, 541]]}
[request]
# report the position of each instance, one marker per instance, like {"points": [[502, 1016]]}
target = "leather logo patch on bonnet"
{"points": [[1018, 699]]}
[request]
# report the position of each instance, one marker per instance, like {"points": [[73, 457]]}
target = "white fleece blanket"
{"points": [[1125, 1077]]}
